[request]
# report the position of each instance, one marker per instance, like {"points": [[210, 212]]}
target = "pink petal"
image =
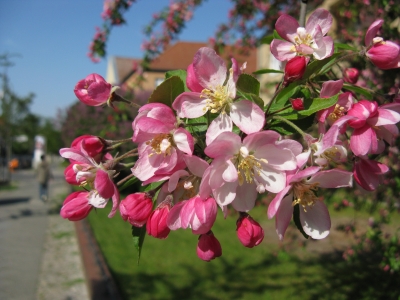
{"points": [[384, 117], [75, 155], [191, 80], [372, 31], [284, 215], [210, 69], [255, 140], [246, 195], [226, 144], [220, 124], [196, 165], [279, 159], [174, 179], [189, 105], [295, 147], [184, 140], [331, 88], [276, 202], [174, 218], [286, 26], [303, 174], [104, 184], [334, 178], [320, 17], [248, 116], [147, 128], [115, 202], [225, 194], [282, 50], [325, 49], [230, 173], [362, 140], [316, 221]]}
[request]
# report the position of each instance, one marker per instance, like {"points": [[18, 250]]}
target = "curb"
{"points": [[100, 283]]}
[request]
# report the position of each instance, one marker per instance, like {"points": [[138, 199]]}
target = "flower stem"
{"points": [[303, 9], [291, 124]]}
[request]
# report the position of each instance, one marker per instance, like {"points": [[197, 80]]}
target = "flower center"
{"points": [[217, 99], [304, 194], [248, 166], [303, 38], [337, 113], [161, 143]]}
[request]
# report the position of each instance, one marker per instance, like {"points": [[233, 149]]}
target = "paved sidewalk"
{"points": [[28, 246]]}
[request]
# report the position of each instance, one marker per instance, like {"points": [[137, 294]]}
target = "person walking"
{"points": [[43, 175]]}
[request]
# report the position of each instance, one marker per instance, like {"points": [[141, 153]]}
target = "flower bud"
{"points": [[297, 104], [157, 222], [91, 144], [294, 69], [208, 247], [249, 232], [136, 208], [385, 55], [93, 90], [70, 175], [76, 206], [350, 75]]}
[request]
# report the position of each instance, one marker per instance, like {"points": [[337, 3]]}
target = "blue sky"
{"points": [[52, 37]]}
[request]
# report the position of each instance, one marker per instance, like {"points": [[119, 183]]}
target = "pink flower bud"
{"points": [[350, 75], [294, 69], [70, 175], [385, 55], [76, 206], [208, 247], [157, 222], [249, 232], [136, 208], [297, 104], [93, 90]]}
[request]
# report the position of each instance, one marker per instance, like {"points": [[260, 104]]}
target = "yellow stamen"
{"points": [[304, 194], [161, 143], [216, 100]]}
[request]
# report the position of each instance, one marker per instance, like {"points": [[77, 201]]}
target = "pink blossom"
{"points": [[97, 175], [368, 173], [241, 169], [196, 213], [136, 208], [249, 232], [162, 143], [300, 189], [206, 78], [331, 114], [90, 144], [208, 247], [157, 222], [76, 206], [383, 54], [372, 125], [93, 90], [301, 41]]}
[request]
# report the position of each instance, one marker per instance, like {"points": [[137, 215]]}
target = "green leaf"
{"points": [[296, 219], [284, 95], [181, 74], [267, 39], [253, 98], [344, 47], [138, 235], [359, 90], [152, 186], [315, 67], [248, 84], [276, 35], [311, 106], [266, 71], [167, 91], [128, 183], [285, 129]]}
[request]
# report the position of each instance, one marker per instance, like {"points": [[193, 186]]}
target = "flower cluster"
{"points": [[214, 144]]}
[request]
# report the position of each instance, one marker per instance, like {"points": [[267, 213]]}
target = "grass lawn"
{"points": [[170, 268]]}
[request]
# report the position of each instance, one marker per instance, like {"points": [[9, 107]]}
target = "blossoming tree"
{"points": [[206, 140]]}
